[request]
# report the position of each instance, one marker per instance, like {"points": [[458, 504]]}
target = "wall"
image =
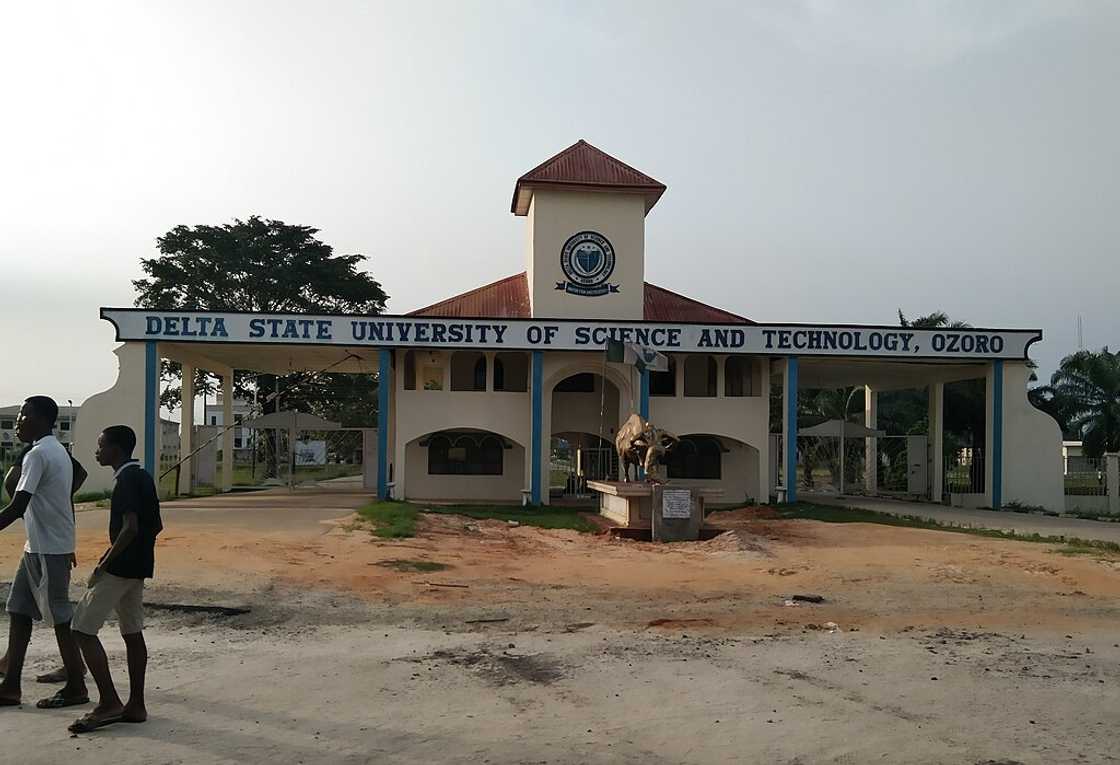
{"points": [[1032, 446], [123, 404], [553, 217], [504, 488], [740, 475]]}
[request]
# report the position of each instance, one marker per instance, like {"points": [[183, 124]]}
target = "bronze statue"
{"points": [[640, 444]]}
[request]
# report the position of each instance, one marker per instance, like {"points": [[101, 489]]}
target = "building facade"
{"points": [[505, 393]]}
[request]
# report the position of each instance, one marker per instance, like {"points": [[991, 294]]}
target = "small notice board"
{"points": [[676, 503]]}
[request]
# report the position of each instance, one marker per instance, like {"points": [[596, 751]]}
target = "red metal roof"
{"points": [[509, 299], [582, 166]]}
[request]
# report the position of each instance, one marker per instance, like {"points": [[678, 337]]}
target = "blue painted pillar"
{"points": [[538, 427], [151, 406], [384, 386], [997, 434], [791, 429], [643, 401]]}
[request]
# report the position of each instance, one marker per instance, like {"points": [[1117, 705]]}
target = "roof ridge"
{"points": [[461, 295]]}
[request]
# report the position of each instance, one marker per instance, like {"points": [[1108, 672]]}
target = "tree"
{"points": [[263, 266], [1084, 397]]}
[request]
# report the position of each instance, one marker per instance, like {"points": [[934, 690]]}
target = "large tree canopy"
{"points": [[255, 265], [266, 266]]}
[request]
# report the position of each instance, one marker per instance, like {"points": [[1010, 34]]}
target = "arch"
{"points": [[738, 376], [700, 373], [412, 438], [465, 453], [613, 375], [698, 456], [468, 371], [511, 371]]}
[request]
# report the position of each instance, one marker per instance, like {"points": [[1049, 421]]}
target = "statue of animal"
{"points": [[640, 444]]}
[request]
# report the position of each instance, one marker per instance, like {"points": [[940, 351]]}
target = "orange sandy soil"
{"points": [[874, 578]]}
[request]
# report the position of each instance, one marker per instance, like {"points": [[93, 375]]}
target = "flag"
{"points": [[636, 355]]}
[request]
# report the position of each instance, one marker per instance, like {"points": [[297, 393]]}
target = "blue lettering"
{"points": [[256, 328], [583, 335], [323, 330], [171, 325], [155, 325]]}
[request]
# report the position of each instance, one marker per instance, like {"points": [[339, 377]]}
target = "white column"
{"points": [[678, 388], [762, 366], [871, 445], [720, 362], [227, 431], [489, 371], [936, 439], [186, 431], [1112, 477]]}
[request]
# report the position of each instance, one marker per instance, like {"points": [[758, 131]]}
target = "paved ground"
{"points": [[1023, 523]]}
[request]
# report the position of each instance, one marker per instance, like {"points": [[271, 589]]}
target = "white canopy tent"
{"points": [[842, 430]]}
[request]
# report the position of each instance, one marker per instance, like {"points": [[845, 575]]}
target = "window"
{"points": [[511, 372], [238, 443], [7, 424], [581, 383], [664, 383], [465, 454], [433, 378], [409, 370], [213, 419], [468, 371], [737, 377], [697, 457], [64, 425], [700, 376]]}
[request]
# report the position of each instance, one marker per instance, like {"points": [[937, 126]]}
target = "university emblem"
{"points": [[587, 260]]}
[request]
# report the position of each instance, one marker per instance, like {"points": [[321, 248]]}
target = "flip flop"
{"points": [[89, 723], [58, 701]]}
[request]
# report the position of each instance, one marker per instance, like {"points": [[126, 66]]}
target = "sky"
{"points": [[825, 161]]}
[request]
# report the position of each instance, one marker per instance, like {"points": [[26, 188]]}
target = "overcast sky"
{"points": [[826, 162]]}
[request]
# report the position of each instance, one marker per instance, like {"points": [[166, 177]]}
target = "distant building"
{"points": [[63, 429], [242, 411]]}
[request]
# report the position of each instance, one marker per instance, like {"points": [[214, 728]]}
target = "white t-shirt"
{"points": [[48, 476]]}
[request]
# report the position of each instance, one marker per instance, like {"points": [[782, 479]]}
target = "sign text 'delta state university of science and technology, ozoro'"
{"points": [[567, 335]]}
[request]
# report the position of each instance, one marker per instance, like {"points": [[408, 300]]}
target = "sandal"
{"points": [[58, 701]]}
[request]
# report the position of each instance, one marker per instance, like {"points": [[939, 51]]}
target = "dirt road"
{"points": [[569, 648]]}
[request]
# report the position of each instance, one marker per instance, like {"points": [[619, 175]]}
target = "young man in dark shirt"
{"points": [[118, 582]]}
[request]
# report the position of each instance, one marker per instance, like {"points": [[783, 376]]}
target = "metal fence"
{"points": [[964, 472], [1085, 477]]}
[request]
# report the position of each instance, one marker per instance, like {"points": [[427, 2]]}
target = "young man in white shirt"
{"points": [[42, 499]]}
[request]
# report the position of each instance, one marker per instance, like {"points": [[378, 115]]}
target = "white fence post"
{"points": [[1112, 480]]}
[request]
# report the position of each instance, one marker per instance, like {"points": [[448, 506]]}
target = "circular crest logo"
{"points": [[587, 260]]}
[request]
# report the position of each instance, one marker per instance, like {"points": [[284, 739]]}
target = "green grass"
{"points": [[835, 514], [392, 519], [91, 496]]}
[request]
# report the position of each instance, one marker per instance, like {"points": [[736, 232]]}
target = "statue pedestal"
{"points": [[672, 513]]}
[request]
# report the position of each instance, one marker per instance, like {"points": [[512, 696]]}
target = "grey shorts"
{"points": [[106, 594], [21, 598]]}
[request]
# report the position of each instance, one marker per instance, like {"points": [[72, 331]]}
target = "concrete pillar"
{"points": [[643, 394], [227, 429], [720, 382], [993, 433], [384, 387], [490, 371], [936, 441], [1112, 479], [536, 456], [789, 427], [762, 365], [151, 409], [871, 445], [186, 431], [678, 387]]}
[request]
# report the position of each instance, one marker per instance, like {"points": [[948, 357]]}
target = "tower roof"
{"points": [[581, 166]]}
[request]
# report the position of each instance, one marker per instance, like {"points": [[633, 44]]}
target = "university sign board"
{"points": [[136, 324]]}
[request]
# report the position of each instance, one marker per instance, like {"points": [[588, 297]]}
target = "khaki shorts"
{"points": [[21, 597], [111, 593]]}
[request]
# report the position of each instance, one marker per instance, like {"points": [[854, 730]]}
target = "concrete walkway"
{"points": [[1021, 523]]}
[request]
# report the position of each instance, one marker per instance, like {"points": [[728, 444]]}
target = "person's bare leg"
{"points": [[134, 710], [56, 675], [109, 704], [19, 635], [4, 664], [72, 662]]}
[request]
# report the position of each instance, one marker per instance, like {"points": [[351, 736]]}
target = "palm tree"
{"points": [[1085, 392]]}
